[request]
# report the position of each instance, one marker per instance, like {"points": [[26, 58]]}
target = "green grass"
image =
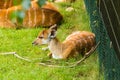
{"points": [[20, 41]]}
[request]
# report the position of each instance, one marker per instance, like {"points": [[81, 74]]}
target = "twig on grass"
{"points": [[7, 53], [50, 65], [16, 55]]}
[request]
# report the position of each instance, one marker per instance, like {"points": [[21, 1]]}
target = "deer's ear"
{"points": [[53, 30], [54, 27]]}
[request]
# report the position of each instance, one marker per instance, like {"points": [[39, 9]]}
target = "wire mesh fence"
{"points": [[109, 62]]}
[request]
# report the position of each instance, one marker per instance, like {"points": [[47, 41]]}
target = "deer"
{"points": [[79, 42], [35, 16]]}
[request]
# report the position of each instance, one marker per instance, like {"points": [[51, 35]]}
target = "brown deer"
{"points": [[35, 16], [77, 42]]}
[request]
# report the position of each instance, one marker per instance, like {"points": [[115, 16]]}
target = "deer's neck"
{"points": [[56, 48]]}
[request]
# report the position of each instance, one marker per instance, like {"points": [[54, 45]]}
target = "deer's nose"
{"points": [[34, 43]]}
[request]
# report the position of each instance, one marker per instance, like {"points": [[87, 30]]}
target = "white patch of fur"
{"points": [[35, 19], [29, 18], [43, 17], [45, 41], [56, 56], [79, 41], [85, 41]]}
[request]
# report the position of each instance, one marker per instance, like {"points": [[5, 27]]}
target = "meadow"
{"points": [[20, 41]]}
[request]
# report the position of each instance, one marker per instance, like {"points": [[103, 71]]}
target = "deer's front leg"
{"points": [[49, 55]]}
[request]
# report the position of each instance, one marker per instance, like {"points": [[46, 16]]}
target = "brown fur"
{"points": [[75, 43], [41, 17], [4, 4]]}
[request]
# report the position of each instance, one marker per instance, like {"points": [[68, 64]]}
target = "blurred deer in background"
{"points": [[35, 16]]}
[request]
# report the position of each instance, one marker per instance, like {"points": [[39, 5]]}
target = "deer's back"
{"points": [[82, 40]]}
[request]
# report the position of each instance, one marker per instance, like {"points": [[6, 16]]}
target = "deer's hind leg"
{"points": [[67, 52]]}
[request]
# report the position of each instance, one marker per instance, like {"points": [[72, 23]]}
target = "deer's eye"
{"points": [[40, 37]]}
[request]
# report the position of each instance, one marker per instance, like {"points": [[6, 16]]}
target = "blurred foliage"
{"points": [[17, 16], [41, 2], [26, 4], [17, 2]]}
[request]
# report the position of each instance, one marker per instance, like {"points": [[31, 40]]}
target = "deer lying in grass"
{"points": [[77, 42], [35, 16]]}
